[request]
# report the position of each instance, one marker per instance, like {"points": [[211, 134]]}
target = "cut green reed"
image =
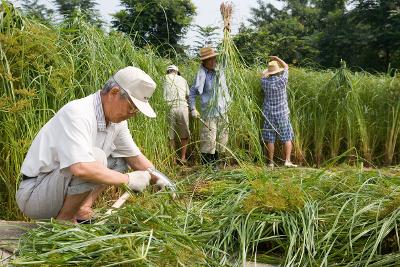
{"points": [[303, 217], [307, 217], [43, 67]]}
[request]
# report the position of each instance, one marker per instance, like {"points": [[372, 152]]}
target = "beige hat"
{"points": [[273, 67], [139, 86], [172, 67], [207, 52]]}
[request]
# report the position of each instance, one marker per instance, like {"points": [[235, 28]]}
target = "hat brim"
{"points": [[144, 107], [273, 72], [209, 56]]}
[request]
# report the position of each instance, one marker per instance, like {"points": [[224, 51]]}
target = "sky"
{"points": [[207, 13]]}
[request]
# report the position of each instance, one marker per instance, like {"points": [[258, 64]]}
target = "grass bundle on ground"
{"points": [[335, 217]]}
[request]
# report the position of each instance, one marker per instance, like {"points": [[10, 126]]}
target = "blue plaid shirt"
{"points": [[275, 96]]}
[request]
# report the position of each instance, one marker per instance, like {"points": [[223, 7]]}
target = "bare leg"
{"points": [[270, 148], [72, 203], [184, 142], [288, 150], [85, 211]]}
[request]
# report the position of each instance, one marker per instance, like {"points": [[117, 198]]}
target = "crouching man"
{"points": [[86, 147]]}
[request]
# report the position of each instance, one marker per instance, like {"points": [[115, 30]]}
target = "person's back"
{"points": [[275, 95], [76, 124], [176, 90], [39, 160], [275, 109]]}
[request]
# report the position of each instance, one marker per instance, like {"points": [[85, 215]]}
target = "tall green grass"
{"points": [[43, 67]]}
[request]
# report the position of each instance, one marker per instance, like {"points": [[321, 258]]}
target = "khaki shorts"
{"points": [[179, 123], [216, 138], [43, 197]]}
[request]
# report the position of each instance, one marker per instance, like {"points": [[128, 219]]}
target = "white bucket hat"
{"points": [[172, 67], [139, 86]]}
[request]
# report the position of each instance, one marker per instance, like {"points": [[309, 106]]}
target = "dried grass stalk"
{"points": [[226, 9]]}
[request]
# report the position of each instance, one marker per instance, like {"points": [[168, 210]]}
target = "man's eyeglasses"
{"points": [[133, 108]]}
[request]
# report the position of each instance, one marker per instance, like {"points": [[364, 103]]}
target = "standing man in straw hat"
{"points": [[210, 86], [176, 93], [276, 111], [84, 148]]}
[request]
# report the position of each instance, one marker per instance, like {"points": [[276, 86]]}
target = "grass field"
{"points": [[295, 217], [42, 68], [347, 216]]}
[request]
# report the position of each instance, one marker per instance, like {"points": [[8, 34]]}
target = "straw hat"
{"points": [[273, 67], [207, 52], [139, 86]]}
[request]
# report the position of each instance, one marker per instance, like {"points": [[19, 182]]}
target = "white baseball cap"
{"points": [[172, 67], [139, 86]]}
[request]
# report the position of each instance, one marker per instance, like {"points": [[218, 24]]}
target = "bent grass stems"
{"points": [[211, 223], [303, 216]]}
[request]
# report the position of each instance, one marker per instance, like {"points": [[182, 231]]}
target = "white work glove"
{"points": [[162, 180], [195, 113], [162, 183], [138, 180]]}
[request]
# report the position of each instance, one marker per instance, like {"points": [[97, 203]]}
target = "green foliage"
{"points": [[254, 46], [276, 33], [273, 196], [69, 9], [264, 14], [206, 36], [10, 18], [364, 33], [298, 216], [159, 23], [33, 9], [381, 31]]}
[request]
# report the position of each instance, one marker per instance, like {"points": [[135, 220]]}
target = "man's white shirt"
{"points": [[70, 136], [176, 90]]}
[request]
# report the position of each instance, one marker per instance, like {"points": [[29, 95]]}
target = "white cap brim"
{"points": [[144, 107]]}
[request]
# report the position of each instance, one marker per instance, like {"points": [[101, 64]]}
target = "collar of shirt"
{"points": [[98, 110], [208, 72]]}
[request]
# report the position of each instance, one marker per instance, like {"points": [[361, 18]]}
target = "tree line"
{"points": [[364, 33], [316, 33]]}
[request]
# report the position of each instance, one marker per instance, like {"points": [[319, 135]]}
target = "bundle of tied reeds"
{"points": [[226, 9]]}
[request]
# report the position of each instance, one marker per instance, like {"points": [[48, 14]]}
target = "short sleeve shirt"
{"points": [[275, 95], [176, 90], [70, 136]]}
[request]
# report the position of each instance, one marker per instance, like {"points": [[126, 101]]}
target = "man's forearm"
{"points": [[139, 163], [193, 92], [95, 172], [280, 62], [192, 100]]}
